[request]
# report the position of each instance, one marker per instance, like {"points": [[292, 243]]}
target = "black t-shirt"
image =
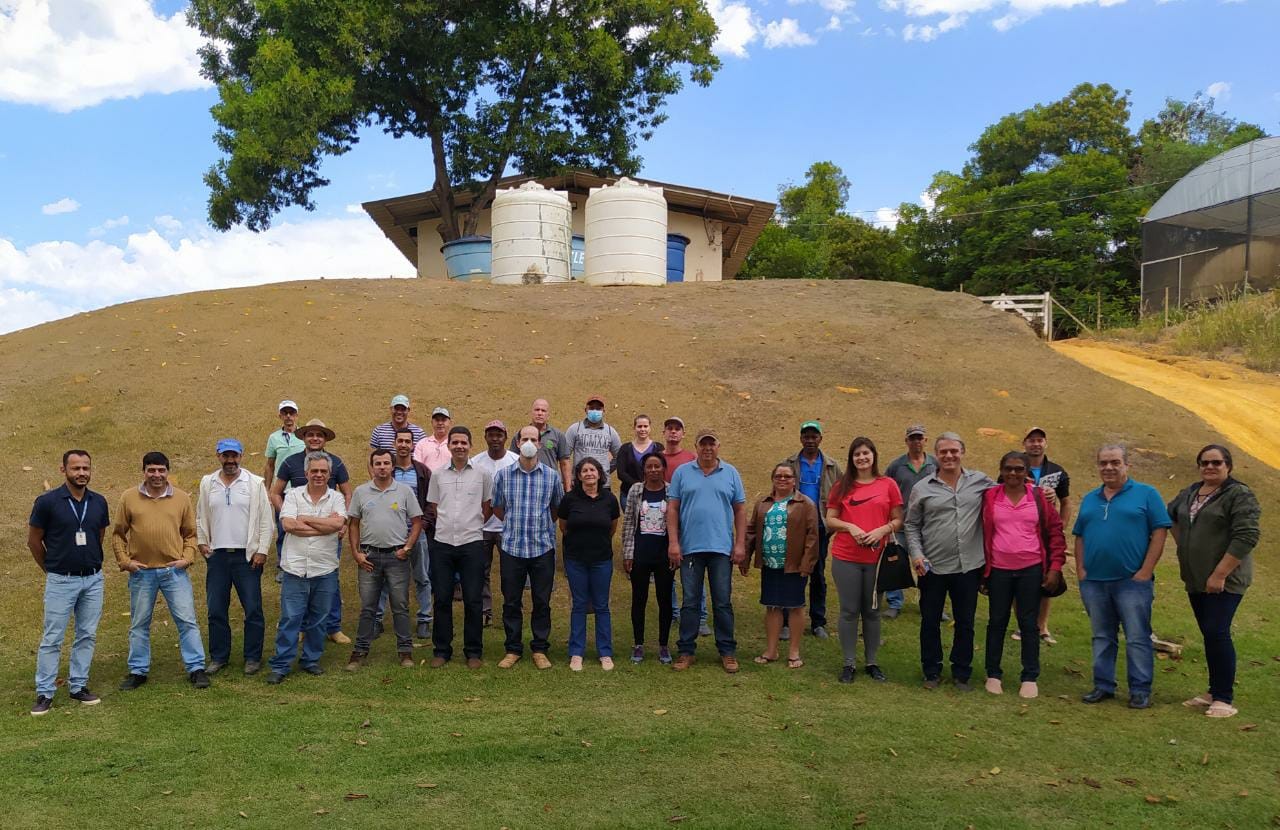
{"points": [[651, 526], [1052, 477], [294, 472], [58, 515], [587, 523]]}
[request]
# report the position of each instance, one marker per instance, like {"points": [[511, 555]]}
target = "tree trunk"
{"points": [[443, 188]]}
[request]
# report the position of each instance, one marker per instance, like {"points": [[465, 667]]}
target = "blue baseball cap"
{"points": [[230, 445]]}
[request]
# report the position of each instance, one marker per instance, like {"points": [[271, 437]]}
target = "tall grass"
{"points": [[1249, 324]]}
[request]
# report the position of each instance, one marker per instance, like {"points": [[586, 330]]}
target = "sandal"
{"points": [[1198, 702], [796, 663], [1220, 709], [764, 661], [1047, 638]]}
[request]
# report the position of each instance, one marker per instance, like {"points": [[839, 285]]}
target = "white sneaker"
{"points": [[606, 663], [575, 663]]}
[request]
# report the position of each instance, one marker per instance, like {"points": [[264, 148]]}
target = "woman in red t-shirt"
{"points": [[864, 508]]}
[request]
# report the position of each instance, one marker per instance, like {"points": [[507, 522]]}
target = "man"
{"points": [[384, 523], [1056, 485], [1120, 533], [906, 470], [591, 437], [672, 437], [154, 540], [292, 474], [64, 535], [416, 477], [525, 498], [818, 473], [313, 517], [461, 494], [496, 457], [552, 449], [433, 450], [944, 538], [280, 445], [234, 528], [384, 435], [707, 529]]}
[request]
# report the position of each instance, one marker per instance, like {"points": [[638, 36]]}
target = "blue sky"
{"points": [[106, 130]]}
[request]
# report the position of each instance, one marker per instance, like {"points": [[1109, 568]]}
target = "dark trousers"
{"points": [[227, 569], [663, 581], [1005, 590], [390, 576], [818, 583], [540, 573], [1214, 613], [492, 544], [934, 588], [466, 563]]}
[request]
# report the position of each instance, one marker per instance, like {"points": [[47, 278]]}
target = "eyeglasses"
{"points": [[783, 475], [1212, 462], [1014, 469]]}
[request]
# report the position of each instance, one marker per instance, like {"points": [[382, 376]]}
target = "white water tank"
{"points": [[626, 226], [532, 234]]}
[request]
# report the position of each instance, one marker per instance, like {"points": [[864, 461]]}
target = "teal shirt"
{"points": [[281, 445]]}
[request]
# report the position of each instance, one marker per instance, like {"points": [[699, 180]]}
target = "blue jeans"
{"points": [[304, 605], [175, 585], [64, 596], [420, 570], [675, 606], [227, 569], [894, 599], [1110, 605], [589, 587], [719, 572], [333, 622]]}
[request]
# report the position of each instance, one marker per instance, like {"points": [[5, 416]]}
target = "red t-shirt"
{"points": [[675, 460], [868, 506]]}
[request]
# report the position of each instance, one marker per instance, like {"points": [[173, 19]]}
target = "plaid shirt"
{"points": [[530, 500]]}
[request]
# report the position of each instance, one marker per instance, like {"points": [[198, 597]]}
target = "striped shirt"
{"points": [[530, 499], [384, 435]]}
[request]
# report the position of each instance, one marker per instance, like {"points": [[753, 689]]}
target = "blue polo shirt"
{"points": [[706, 506], [59, 516], [1116, 532], [811, 478]]}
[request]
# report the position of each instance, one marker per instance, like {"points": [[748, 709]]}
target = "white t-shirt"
{"points": [[491, 466]]}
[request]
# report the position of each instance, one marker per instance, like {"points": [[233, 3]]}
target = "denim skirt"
{"points": [[779, 589]]}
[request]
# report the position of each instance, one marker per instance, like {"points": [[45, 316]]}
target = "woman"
{"points": [[629, 461], [1215, 524], [783, 536], [588, 519], [1025, 549], [644, 554], [867, 507]]}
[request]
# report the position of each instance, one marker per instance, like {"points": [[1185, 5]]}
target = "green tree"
{"points": [[489, 85], [1184, 135]]}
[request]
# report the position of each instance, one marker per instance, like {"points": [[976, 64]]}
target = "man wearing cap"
{"points": [[496, 457], [591, 437], [676, 455], [707, 528], [384, 435], [280, 445], [234, 526], [1054, 482], [818, 474], [906, 470], [552, 449], [293, 474], [433, 450]]}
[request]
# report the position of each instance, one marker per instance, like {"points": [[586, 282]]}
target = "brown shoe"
{"points": [[356, 661], [474, 662], [540, 660], [683, 662], [730, 663], [339, 638], [438, 662], [406, 660], [509, 660]]}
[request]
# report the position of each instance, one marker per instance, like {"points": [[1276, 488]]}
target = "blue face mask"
{"points": [[595, 416]]}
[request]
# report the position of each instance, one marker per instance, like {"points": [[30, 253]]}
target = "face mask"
{"points": [[595, 416], [529, 449]]}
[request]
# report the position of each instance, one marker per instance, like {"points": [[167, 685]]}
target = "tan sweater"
{"points": [[155, 532]]}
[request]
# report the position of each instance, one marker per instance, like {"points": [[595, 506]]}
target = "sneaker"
{"points": [[314, 670], [606, 663], [786, 633], [963, 686], [704, 630], [848, 674], [683, 662], [1096, 696], [637, 654], [339, 638], [932, 683], [252, 667], [664, 655], [275, 678], [41, 706], [406, 660], [213, 667], [508, 660], [541, 661], [1028, 690], [729, 663], [876, 674], [994, 686], [891, 613], [424, 631], [575, 663], [820, 631], [86, 697], [132, 682], [356, 661], [199, 679]]}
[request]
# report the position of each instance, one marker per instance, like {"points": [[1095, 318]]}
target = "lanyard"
{"points": [[83, 512]]}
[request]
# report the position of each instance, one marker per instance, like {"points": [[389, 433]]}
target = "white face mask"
{"points": [[529, 449]]}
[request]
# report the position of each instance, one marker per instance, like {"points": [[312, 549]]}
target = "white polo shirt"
{"points": [[229, 511], [310, 556]]}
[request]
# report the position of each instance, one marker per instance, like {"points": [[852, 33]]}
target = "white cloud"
{"points": [[833, 6], [834, 24], [110, 224], [168, 224], [886, 217], [355, 208], [68, 54], [738, 27], [53, 279], [928, 200], [63, 205], [785, 32], [957, 12], [1219, 90], [922, 33]]}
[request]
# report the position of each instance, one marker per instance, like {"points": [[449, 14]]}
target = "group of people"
{"points": [[433, 513]]}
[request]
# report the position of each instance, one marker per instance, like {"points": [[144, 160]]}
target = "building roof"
{"points": [[1248, 170], [743, 218]]}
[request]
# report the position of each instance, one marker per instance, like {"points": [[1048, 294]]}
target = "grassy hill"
{"points": [[767, 748]]}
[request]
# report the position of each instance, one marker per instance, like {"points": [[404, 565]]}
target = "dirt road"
{"points": [[1242, 405]]}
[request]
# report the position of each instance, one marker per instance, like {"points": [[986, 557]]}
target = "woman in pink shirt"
{"points": [[1025, 548]]}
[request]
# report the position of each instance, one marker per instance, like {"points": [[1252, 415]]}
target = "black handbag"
{"points": [[893, 572]]}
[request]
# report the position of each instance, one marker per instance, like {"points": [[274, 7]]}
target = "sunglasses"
{"points": [[1212, 462], [1014, 469]]}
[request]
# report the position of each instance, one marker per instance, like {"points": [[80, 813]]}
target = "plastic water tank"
{"points": [[531, 236], [467, 258], [676, 244], [626, 226]]}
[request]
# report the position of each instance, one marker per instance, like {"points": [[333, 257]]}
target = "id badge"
{"points": [[82, 538]]}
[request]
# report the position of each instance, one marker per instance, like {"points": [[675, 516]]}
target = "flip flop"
{"points": [[1220, 709], [1198, 702], [764, 661], [1047, 638], [794, 663]]}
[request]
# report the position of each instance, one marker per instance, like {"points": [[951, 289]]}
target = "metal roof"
{"points": [[1248, 170], [743, 218]]}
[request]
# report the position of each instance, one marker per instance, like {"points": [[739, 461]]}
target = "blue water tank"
{"points": [[578, 257], [676, 243], [468, 258]]}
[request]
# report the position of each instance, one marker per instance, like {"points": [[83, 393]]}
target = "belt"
{"points": [[86, 572], [229, 550], [376, 549]]}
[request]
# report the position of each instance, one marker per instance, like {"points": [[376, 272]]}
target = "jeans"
{"points": [[719, 572], [675, 604], [540, 573], [818, 583], [465, 562], [420, 569], [175, 585], [894, 599], [226, 569], [663, 582], [1110, 605], [934, 588], [304, 605], [856, 587], [390, 577], [333, 622], [1214, 613], [64, 596], [589, 587], [1004, 589]]}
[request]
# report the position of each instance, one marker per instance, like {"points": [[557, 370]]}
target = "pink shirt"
{"points": [[431, 453], [1017, 538]]}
